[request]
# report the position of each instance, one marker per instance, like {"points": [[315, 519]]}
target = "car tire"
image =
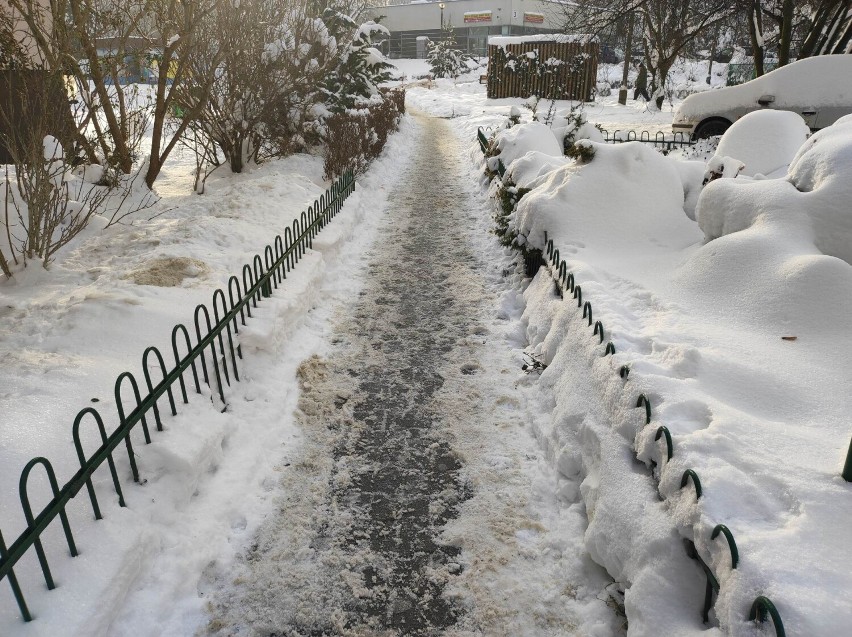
{"points": [[711, 128]]}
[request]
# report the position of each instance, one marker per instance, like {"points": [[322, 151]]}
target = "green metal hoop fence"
{"points": [[215, 350]]}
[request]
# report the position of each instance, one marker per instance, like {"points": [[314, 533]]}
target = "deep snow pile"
{"points": [[764, 141], [737, 330]]}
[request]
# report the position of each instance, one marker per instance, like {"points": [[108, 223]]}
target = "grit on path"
{"points": [[419, 503]]}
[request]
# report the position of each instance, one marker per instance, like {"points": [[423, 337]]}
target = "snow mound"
{"points": [[811, 204], [524, 171], [826, 156], [647, 204], [519, 140], [765, 141]]}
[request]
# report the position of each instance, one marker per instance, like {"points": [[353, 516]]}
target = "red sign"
{"points": [[534, 18], [478, 16]]}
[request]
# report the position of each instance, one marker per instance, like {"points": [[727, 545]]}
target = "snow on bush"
{"points": [[527, 169], [649, 199], [764, 141], [813, 199], [518, 140], [571, 126]]}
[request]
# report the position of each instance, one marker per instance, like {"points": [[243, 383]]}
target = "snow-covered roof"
{"points": [[560, 38]]}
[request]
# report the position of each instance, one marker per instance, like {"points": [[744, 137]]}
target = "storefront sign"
{"points": [[534, 18], [477, 16]]}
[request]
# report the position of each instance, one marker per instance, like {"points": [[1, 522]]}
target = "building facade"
{"points": [[472, 21]]}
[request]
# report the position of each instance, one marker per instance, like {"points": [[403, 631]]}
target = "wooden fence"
{"points": [[550, 70]]}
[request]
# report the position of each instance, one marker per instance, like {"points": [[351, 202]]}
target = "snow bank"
{"points": [[740, 344], [765, 141]]}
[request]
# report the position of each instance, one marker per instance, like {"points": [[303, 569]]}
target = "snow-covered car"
{"points": [[818, 88]]}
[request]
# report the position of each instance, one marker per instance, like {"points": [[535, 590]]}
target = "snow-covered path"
{"points": [[419, 503]]}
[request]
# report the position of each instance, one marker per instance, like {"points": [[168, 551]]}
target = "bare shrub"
{"points": [[45, 200], [355, 137]]}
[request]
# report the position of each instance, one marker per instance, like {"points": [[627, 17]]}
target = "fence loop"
{"points": [[689, 473], [150, 385], [732, 545], [269, 262], [201, 310], [663, 431], [643, 401], [624, 372], [260, 277], [28, 514], [569, 284], [81, 456], [219, 299], [234, 283], [119, 403], [578, 294], [587, 306], [599, 330], [248, 284], [181, 329], [763, 606], [610, 348], [289, 262], [306, 228]]}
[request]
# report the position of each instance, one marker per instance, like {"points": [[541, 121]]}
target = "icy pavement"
{"points": [[418, 503]]}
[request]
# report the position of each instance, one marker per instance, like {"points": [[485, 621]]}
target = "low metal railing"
{"points": [[762, 606], [666, 141], [215, 341]]}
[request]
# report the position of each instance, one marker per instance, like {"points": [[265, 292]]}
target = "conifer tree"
{"points": [[445, 58]]}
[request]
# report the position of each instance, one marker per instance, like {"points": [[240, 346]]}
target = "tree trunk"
{"points": [[660, 76], [786, 39], [755, 32]]}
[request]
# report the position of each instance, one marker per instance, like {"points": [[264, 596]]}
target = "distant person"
{"points": [[641, 86]]}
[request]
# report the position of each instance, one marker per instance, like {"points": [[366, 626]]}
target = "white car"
{"points": [[818, 88]]}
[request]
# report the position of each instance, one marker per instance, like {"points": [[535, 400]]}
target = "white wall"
{"points": [[427, 15]]}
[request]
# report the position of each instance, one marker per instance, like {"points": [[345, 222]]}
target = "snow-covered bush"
{"points": [[764, 141], [565, 197], [360, 69], [445, 58], [811, 204], [508, 194], [570, 126], [518, 140]]}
